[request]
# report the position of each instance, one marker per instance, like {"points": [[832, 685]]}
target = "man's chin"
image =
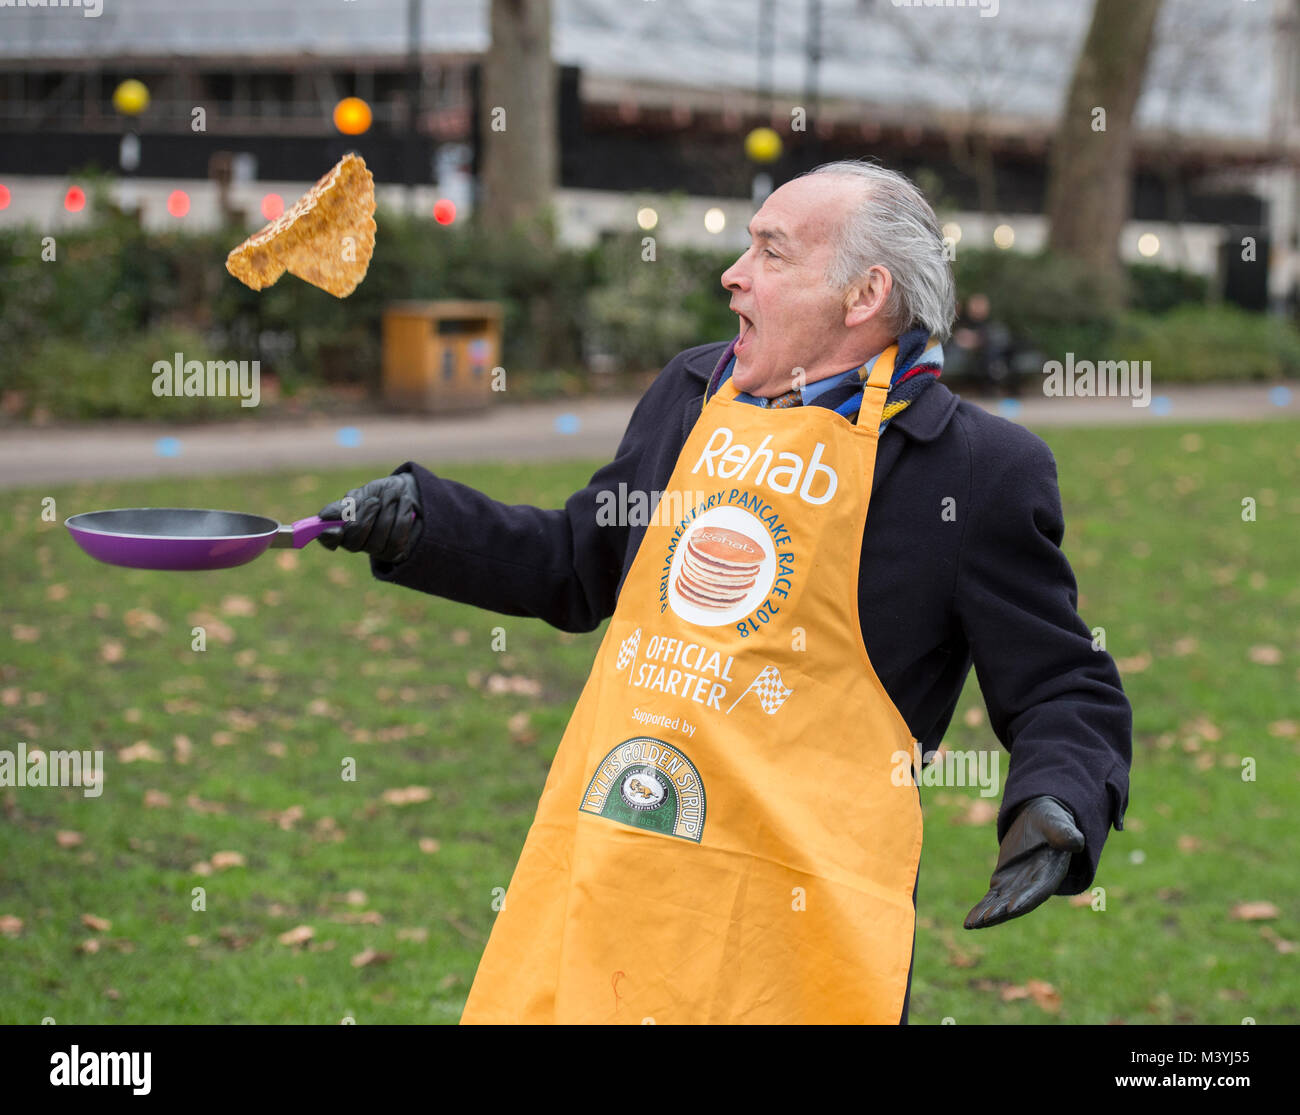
{"points": [[742, 377]]}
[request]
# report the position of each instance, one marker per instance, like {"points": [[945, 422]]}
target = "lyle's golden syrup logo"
{"points": [[648, 784]]}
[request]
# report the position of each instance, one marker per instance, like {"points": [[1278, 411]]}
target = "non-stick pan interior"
{"points": [[174, 522]]}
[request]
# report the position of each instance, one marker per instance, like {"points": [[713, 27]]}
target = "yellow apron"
{"points": [[730, 830]]}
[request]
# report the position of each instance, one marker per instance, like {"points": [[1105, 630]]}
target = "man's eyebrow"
{"points": [[768, 234]]}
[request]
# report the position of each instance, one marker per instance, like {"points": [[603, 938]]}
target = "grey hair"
{"points": [[895, 228]]}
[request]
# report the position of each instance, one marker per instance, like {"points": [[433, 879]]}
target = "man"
{"points": [[730, 830]]}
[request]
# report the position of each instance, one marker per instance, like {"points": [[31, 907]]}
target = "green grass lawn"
{"points": [[309, 662]]}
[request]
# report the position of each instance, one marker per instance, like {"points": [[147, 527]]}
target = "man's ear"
{"points": [[865, 301]]}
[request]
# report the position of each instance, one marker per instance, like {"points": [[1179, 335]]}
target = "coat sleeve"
{"points": [[1056, 704], [562, 566]]}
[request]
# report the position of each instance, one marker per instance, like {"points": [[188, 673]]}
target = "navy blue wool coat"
{"points": [[988, 586]]}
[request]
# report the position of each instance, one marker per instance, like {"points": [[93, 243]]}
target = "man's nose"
{"points": [[733, 278]]}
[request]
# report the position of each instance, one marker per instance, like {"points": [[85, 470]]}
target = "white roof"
{"points": [[1212, 70]]}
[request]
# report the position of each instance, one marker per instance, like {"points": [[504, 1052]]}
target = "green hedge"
{"points": [[1198, 344], [78, 335]]}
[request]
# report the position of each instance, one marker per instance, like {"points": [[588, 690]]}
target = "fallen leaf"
{"points": [[520, 728], [200, 806], [1134, 665], [214, 627], [513, 683], [980, 811], [459, 636], [1189, 844], [139, 621], [1281, 944], [140, 751], [1045, 995], [1282, 728], [110, 650], [297, 936], [1254, 911], [202, 868], [112, 993], [66, 838], [89, 945], [288, 561], [355, 898], [238, 606], [56, 592], [241, 721], [183, 748], [227, 859], [289, 817], [366, 957], [407, 796], [156, 799], [418, 934], [10, 697], [10, 926], [1265, 655], [360, 917], [428, 845]]}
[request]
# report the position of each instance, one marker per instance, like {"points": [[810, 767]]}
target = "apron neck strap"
{"points": [[876, 390]]}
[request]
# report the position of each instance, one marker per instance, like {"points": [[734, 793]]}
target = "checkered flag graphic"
{"points": [[627, 652], [772, 691]]}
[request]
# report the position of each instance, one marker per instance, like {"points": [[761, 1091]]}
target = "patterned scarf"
{"points": [[918, 364]]}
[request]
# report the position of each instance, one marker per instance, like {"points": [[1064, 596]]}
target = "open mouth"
{"points": [[746, 331]]}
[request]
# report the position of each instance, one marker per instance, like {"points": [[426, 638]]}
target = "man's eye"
{"points": [[769, 252]]}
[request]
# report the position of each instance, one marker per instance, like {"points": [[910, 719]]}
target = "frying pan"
{"points": [[185, 538]]}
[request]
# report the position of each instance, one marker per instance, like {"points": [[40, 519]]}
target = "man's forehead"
{"points": [[802, 212]]}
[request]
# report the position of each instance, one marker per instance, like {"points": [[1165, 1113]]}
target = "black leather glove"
{"points": [[384, 519], [1032, 860]]}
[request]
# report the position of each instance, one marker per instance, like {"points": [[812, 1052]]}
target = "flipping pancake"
{"points": [[326, 237]]}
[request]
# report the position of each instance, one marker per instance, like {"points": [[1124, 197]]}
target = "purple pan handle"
{"points": [[298, 534], [303, 531]]}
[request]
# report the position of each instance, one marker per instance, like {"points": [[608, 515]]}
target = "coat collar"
{"points": [[923, 420]]}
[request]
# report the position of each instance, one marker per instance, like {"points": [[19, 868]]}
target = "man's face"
{"points": [[789, 317]]}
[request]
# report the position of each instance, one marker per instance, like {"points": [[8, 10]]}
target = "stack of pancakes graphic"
{"points": [[720, 566]]}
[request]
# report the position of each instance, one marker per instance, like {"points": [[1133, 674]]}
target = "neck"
{"points": [[832, 366]]}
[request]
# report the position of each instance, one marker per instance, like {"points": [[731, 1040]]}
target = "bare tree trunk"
{"points": [[1090, 176], [519, 125]]}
